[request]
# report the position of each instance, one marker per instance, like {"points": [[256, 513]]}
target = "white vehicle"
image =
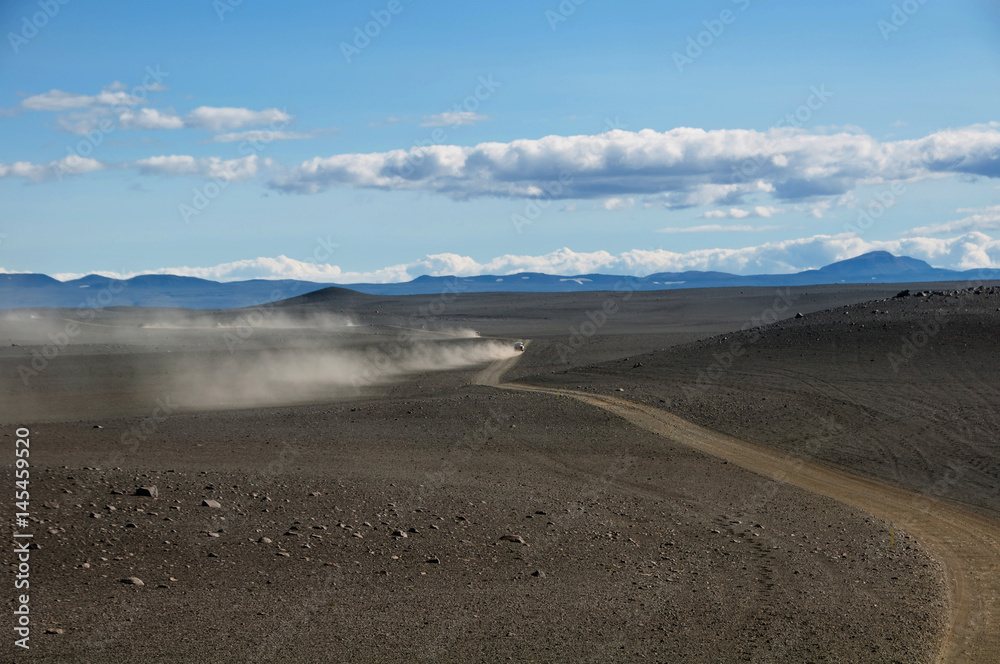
{"points": [[519, 346]]}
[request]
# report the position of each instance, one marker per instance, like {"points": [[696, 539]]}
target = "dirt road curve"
{"points": [[494, 371], [966, 544]]}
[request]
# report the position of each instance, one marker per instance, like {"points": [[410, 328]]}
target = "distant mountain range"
{"points": [[39, 290]]}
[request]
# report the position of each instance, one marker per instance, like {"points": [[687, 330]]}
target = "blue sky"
{"points": [[234, 140]]}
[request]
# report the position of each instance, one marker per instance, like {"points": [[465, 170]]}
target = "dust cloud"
{"points": [[276, 377]]}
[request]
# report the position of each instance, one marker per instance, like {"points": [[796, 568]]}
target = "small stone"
{"points": [[399, 533], [211, 503], [538, 573], [55, 630], [133, 581], [434, 561], [517, 539], [264, 540], [799, 315], [149, 491], [284, 554], [85, 565], [213, 555]]}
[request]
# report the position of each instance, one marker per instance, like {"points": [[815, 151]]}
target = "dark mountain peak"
{"points": [[876, 263], [27, 280], [168, 290]]}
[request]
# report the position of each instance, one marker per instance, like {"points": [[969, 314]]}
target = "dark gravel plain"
{"points": [[369, 523]]}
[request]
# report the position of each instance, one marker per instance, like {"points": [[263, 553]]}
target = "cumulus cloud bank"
{"points": [[987, 219], [82, 114], [676, 168], [964, 252]]}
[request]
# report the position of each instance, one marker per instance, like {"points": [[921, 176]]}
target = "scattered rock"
{"points": [[517, 539], [434, 561], [799, 315], [264, 540], [133, 581], [903, 293], [538, 573], [211, 503], [150, 491], [55, 630], [399, 533]]}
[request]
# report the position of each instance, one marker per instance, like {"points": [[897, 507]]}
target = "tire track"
{"points": [[966, 544]]}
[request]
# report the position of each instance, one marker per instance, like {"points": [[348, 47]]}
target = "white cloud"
{"points": [[765, 211], [452, 118], [618, 203], [965, 252], [149, 118], [718, 228], [986, 219], [236, 170], [391, 120], [686, 166], [731, 213], [69, 165], [261, 136], [224, 119], [81, 114], [280, 267], [60, 100]]}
